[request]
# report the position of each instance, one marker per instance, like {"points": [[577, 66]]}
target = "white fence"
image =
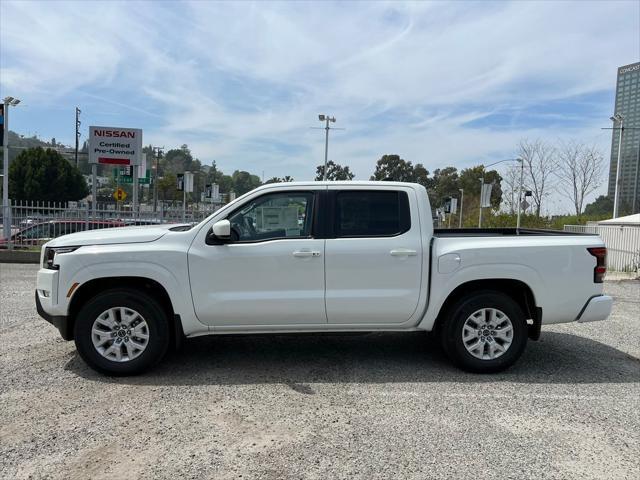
{"points": [[33, 223], [622, 241]]}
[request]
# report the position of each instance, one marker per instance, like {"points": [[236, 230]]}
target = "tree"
{"points": [[470, 182], [244, 182], [392, 167], [167, 187], [539, 167], [284, 179], [179, 160], [512, 187], [335, 171], [602, 205], [44, 175], [421, 176], [444, 184], [579, 172]]}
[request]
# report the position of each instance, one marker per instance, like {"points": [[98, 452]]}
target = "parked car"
{"points": [[366, 258], [39, 233]]}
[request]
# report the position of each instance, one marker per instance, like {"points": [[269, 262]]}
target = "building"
{"points": [[628, 106]]}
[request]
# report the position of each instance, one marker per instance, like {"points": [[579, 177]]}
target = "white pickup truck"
{"points": [[317, 257]]}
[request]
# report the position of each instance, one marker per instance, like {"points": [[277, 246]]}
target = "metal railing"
{"points": [[622, 242], [34, 223]]}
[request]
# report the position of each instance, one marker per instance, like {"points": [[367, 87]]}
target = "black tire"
{"points": [[451, 332], [158, 331]]}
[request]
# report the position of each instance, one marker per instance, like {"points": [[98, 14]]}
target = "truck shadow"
{"points": [[297, 360]]}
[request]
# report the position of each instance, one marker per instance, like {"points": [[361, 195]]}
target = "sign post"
{"points": [[187, 186], [94, 190]]}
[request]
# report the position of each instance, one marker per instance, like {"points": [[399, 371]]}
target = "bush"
{"points": [[44, 175]]}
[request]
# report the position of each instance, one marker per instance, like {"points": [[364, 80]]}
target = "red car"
{"points": [[39, 233]]}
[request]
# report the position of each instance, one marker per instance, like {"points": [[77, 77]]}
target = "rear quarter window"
{"points": [[372, 213]]}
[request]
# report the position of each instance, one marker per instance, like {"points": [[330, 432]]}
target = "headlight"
{"points": [[50, 253]]}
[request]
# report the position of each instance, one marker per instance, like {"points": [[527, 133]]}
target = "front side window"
{"points": [[361, 213], [271, 216]]}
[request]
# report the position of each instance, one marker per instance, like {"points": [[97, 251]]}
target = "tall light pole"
{"points": [[620, 119], [78, 112], [521, 160], [6, 209], [482, 184], [158, 151], [327, 119], [461, 203]]}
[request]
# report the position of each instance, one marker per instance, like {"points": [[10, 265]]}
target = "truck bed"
{"points": [[499, 232]]}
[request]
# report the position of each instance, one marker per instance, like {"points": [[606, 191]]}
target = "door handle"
{"points": [[306, 253], [403, 252]]}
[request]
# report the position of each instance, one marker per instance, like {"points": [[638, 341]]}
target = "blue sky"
{"points": [[442, 83]]}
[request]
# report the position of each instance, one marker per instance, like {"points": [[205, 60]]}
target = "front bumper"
{"points": [[597, 308], [62, 323]]}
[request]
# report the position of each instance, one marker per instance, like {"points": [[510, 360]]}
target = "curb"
{"points": [[16, 256]]}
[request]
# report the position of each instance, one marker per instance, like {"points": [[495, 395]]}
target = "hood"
{"points": [[107, 236]]}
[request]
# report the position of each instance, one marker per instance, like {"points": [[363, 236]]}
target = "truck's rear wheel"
{"points": [[122, 332], [485, 332]]}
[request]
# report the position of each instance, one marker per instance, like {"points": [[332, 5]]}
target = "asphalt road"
{"points": [[321, 407]]}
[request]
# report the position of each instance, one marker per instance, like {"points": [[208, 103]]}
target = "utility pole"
{"points": [[461, 204], [620, 119], [78, 112], [327, 119], [158, 153], [6, 207], [635, 184]]}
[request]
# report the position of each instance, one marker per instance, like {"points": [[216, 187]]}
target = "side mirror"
{"points": [[222, 229]]}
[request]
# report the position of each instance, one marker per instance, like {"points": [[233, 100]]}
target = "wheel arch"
{"points": [[153, 288], [517, 290]]}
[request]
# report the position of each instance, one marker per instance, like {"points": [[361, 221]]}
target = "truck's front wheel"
{"points": [[485, 332], [121, 332]]}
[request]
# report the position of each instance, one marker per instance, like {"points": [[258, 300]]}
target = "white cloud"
{"points": [[243, 82]]}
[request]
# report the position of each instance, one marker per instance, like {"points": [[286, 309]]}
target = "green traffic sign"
{"points": [[128, 179]]}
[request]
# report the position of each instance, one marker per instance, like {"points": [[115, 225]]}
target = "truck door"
{"points": [[373, 256], [272, 273]]}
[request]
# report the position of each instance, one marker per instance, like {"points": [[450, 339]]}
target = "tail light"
{"points": [[601, 263]]}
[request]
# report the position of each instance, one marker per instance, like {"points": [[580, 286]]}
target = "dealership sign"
{"points": [[115, 145]]}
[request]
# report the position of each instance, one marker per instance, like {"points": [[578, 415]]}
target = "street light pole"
{"points": [[521, 160], [6, 208], [481, 189], [327, 119], [482, 184], [461, 204], [78, 112], [158, 151], [620, 119]]}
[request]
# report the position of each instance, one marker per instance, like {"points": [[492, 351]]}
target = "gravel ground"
{"points": [[321, 407]]}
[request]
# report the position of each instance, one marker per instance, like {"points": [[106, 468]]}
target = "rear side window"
{"points": [[372, 213]]}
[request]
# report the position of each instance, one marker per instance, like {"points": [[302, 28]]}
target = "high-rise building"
{"points": [[628, 107]]}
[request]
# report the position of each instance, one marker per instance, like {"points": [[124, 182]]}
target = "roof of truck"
{"points": [[351, 183]]}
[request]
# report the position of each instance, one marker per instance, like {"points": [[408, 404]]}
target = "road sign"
{"points": [[120, 195], [124, 179], [524, 205], [115, 145]]}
